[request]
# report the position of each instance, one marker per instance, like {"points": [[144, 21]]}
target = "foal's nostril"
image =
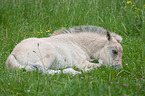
{"points": [[117, 66]]}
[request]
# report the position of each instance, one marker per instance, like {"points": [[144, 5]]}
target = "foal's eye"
{"points": [[114, 51]]}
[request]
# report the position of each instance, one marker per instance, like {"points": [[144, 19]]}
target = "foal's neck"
{"points": [[91, 42]]}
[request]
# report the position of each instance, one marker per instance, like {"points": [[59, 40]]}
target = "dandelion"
{"points": [[129, 2], [138, 9], [68, 9], [31, 32], [48, 31], [133, 5], [38, 32], [121, 6], [24, 33]]}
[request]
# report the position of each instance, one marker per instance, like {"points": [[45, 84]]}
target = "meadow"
{"points": [[20, 19]]}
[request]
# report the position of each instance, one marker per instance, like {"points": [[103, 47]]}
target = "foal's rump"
{"points": [[41, 53], [31, 52]]}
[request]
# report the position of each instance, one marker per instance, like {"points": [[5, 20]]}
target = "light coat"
{"points": [[67, 50]]}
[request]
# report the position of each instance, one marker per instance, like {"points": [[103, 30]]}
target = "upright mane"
{"points": [[86, 28], [83, 28]]}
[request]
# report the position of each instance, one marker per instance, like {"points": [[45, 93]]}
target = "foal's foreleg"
{"points": [[87, 66]]}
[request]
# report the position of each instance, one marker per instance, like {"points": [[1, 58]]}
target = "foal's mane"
{"points": [[86, 28], [83, 28]]}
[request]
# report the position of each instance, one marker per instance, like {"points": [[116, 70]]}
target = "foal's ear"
{"points": [[117, 37], [109, 37]]}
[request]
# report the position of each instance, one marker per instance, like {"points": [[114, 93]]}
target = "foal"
{"points": [[67, 50]]}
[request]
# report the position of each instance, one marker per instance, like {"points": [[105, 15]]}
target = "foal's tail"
{"points": [[13, 63]]}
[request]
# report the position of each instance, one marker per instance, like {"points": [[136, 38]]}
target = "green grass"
{"points": [[20, 19]]}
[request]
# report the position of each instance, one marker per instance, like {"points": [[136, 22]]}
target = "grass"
{"points": [[20, 19]]}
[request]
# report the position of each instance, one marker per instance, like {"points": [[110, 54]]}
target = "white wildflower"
{"points": [[28, 90], [100, 61]]}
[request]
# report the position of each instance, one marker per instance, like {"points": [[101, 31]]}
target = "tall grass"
{"points": [[20, 19]]}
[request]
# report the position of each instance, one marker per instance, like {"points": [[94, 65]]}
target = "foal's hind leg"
{"points": [[12, 62], [46, 57], [46, 63]]}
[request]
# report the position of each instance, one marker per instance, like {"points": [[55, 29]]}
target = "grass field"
{"points": [[20, 19]]}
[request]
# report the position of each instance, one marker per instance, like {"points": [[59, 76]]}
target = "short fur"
{"points": [[67, 50]]}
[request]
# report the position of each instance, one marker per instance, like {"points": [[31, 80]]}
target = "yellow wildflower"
{"points": [[31, 32], [37, 32], [138, 9], [24, 32], [68, 9], [129, 2], [121, 6], [41, 32], [48, 31], [133, 5]]}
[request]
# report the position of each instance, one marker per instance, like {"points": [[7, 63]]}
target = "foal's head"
{"points": [[112, 52]]}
